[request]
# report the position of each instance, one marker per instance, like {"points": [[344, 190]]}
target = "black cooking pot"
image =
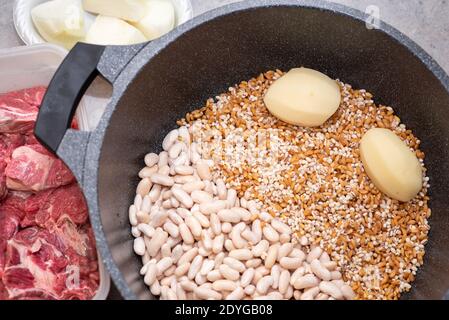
{"points": [[156, 83]]}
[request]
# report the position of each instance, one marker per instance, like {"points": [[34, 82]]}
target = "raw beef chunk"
{"points": [[8, 142], [48, 208], [16, 116], [33, 168], [3, 189], [47, 248], [55, 264]]}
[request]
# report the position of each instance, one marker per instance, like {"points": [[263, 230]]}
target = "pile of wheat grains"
{"points": [[313, 178]]}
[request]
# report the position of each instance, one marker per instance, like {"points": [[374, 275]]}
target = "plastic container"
{"points": [[28, 33], [26, 67]]}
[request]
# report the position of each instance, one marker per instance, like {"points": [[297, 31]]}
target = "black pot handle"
{"points": [[73, 77], [64, 92]]}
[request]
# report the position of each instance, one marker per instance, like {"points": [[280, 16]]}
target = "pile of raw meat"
{"points": [[47, 249]]}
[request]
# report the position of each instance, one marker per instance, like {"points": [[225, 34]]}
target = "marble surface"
{"points": [[426, 22]]}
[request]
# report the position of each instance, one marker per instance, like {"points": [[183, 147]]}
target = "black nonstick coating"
{"points": [[219, 53]]}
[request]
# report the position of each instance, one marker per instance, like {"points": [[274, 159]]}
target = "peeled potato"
{"points": [[130, 10], [391, 165], [113, 31], [303, 97], [158, 20], [60, 21]]}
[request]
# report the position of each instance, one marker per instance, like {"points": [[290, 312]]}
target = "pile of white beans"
{"points": [[198, 240]]}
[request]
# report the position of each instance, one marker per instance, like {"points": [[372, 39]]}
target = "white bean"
{"points": [[249, 236], [132, 214], [169, 139], [144, 187], [284, 238], [212, 207], [297, 253], [194, 226], [228, 273], [199, 196], [163, 180], [260, 248], [280, 227], [284, 250], [163, 265], [241, 254], [180, 293], [270, 234], [253, 263], [203, 170], [189, 187], [219, 258], [151, 159], [347, 292], [184, 134], [146, 204], [263, 284], [257, 229], [330, 289], [314, 254], [200, 279], [290, 263], [234, 264], [208, 266], [204, 293], [307, 281], [186, 235], [175, 150], [235, 236], [165, 171], [188, 285], [159, 238], [231, 198], [176, 253], [150, 274], [224, 285], [183, 170], [237, 294], [184, 179], [183, 212], [249, 290], [166, 250], [207, 240], [171, 228], [331, 265], [175, 217], [227, 215], [271, 255], [221, 189], [335, 275], [275, 274], [217, 243], [195, 267], [214, 275], [284, 281], [139, 246], [155, 288], [310, 293], [215, 224], [182, 269], [158, 218], [155, 192], [226, 227]]}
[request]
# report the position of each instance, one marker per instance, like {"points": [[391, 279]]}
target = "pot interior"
{"points": [[208, 59]]}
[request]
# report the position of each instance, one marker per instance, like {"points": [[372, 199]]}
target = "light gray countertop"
{"points": [[426, 22]]}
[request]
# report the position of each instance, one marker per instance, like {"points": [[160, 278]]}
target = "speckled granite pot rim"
{"points": [[135, 58]]}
